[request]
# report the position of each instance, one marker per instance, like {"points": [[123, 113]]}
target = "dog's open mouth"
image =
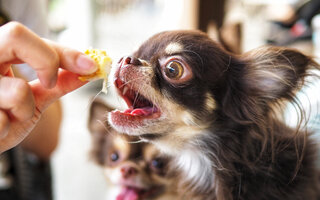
{"points": [[139, 107], [132, 193]]}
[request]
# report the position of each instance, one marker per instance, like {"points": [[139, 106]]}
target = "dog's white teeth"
{"points": [[125, 89]]}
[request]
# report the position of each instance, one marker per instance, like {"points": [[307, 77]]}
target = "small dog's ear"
{"points": [[98, 116], [262, 77], [276, 72]]}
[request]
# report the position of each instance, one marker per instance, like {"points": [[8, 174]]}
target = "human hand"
{"points": [[22, 103]]}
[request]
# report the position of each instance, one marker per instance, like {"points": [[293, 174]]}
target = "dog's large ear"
{"points": [[99, 128], [263, 77], [98, 116]]}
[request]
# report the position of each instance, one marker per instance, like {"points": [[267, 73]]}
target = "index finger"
{"points": [[73, 60], [19, 43]]}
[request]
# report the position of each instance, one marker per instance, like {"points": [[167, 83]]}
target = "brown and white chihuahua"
{"points": [[138, 171], [219, 115]]}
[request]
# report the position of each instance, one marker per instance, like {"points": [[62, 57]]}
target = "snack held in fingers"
{"points": [[104, 63]]}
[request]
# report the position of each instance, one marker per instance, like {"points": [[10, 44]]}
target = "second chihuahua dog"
{"points": [[138, 170], [219, 114]]}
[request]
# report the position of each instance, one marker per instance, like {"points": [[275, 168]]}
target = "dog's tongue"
{"points": [[128, 194], [140, 111]]}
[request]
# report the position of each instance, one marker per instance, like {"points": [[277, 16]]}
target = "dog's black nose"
{"points": [[132, 61]]}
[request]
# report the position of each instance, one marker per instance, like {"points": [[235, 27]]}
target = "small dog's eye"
{"points": [[174, 70], [114, 157], [157, 164]]}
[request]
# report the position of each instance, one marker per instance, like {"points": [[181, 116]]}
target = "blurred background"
{"points": [[119, 26]]}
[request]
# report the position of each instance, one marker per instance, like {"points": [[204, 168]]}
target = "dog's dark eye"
{"points": [[174, 70], [157, 164], [114, 157]]}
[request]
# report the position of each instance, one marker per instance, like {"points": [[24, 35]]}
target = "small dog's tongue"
{"points": [[140, 111], [128, 194]]}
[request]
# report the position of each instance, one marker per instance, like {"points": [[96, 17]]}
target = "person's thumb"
{"points": [[67, 82]]}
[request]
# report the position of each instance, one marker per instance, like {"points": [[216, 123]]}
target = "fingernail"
{"points": [[87, 64]]}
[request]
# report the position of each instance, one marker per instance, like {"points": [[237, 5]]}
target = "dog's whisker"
{"points": [[197, 54], [137, 96], [93, 99], [103, 123], [133, 80], [136, 142]]}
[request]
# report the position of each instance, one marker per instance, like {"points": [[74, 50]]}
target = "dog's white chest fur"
{"points": [[196, 167]]}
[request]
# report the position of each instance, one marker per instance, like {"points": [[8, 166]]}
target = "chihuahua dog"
{"points": [[220, 116], [137, 170]]}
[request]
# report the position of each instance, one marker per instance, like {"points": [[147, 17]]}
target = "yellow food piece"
{"points": [[104, 65]]}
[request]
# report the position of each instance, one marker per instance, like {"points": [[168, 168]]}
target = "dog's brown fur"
{"points": [[151, 168], [224, 124]]}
